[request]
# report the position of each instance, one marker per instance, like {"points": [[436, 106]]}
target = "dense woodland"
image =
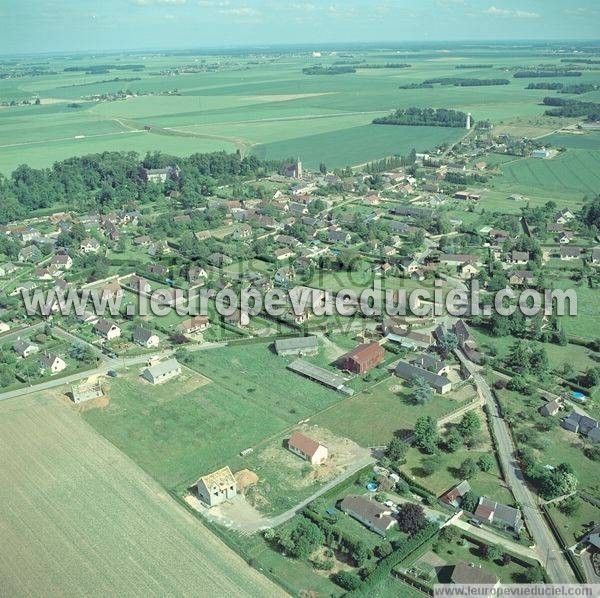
{"points": [[430, 117], [576, 108], [102, 182]]}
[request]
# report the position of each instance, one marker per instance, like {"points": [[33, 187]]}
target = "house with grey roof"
{"points": [[162, 371], [372, 514], [144, 337], [430, 363], [24, 348]]}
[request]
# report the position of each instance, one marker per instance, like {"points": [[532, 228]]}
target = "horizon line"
{"points": [[300, 45]]}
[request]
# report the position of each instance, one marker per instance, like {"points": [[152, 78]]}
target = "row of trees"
{"points": [[466, 82]]}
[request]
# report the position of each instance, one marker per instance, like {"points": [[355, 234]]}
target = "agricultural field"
{"points": [[95, 517], [262, 104], [574, 173]]}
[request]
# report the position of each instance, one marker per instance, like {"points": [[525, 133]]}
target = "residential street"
{"points": [[548, 550]]}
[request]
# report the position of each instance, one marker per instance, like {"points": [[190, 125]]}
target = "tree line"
{"points": [[110, 180], [567, 107], [432, 117], [545, 73]]}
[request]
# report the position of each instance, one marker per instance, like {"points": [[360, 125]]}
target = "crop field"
{"points": [[260, 104], [178, 436], [575, 173], [82, 519]]}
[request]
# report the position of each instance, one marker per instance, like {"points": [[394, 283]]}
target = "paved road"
{"points": [[549, 552]]}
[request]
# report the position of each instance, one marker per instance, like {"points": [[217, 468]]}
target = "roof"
{"points": [[457, 492], [316, 373], [427, 362], [21, 345], [377, 515], [296, 343], [218, 480], [303, 443], [406, 371], [519, 256], [104, 326], [498, 512], [467, 574], [485, 508], [48, 359], [364, 352], [142, 334], [163, 367]]}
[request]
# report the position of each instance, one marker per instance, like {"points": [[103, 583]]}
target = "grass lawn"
{"points": [[562, 446], [182, 429], [573, 527], [487, 484], [469, 552], [383, 403]]}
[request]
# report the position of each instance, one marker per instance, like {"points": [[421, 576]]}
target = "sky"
{"points": [[36, 26]]}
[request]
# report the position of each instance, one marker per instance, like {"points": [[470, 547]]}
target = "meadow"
{"points": [[82, 519], [261, 104], [178, 436]]}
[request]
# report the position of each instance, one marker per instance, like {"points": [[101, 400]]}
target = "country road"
{"points": [[548, 550]]}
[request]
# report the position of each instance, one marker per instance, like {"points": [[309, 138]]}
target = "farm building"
{"points": [[162, 371], [321, 375], [408, 372], [145, 338], [307, 448], [370, 513], [298, 346], [217, 487], [362, 358]]}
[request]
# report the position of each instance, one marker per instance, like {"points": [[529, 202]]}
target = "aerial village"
{"points": [[376, 433]]}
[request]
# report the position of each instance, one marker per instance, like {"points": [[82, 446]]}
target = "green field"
{"points": [[262, 104], [575, 172], [83, 520], [392, 410], [192, 425]]}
